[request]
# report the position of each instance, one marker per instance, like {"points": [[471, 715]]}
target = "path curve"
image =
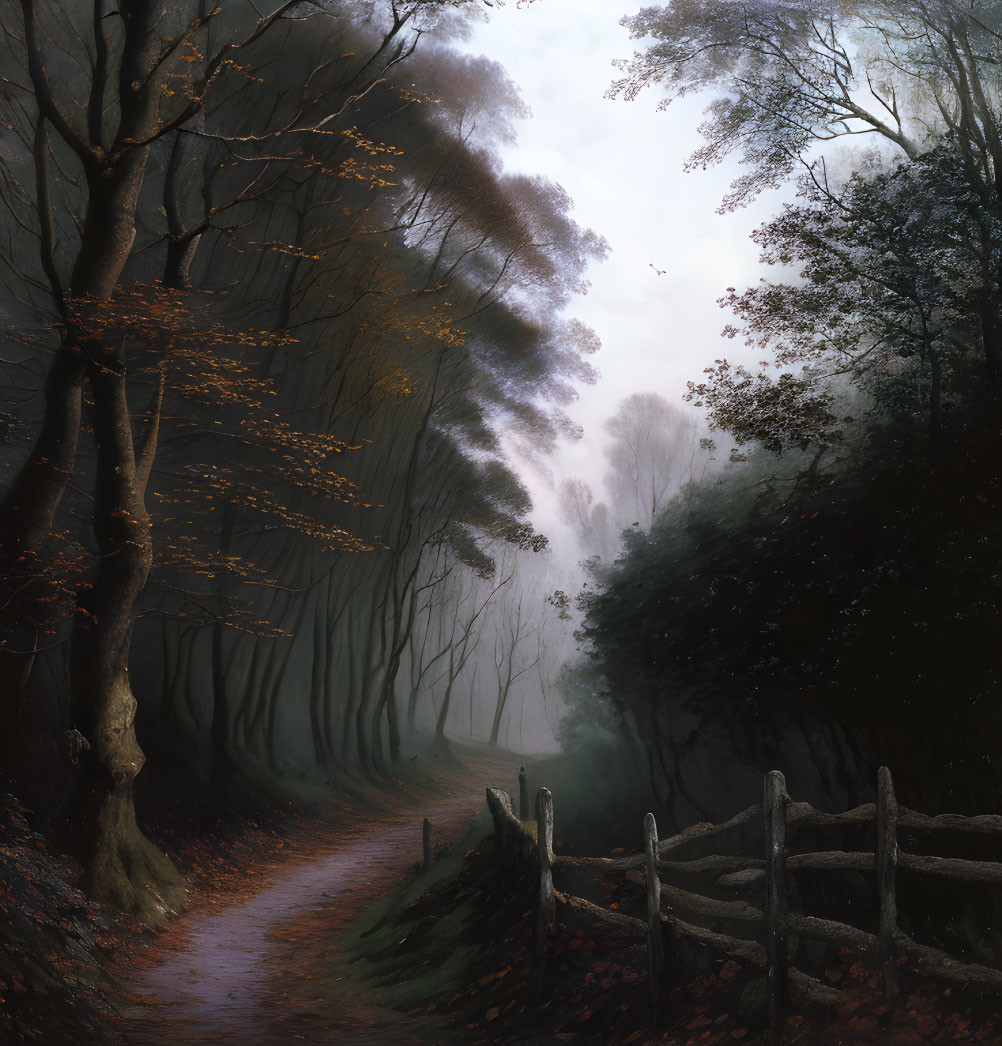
{"points": [[216, 985]]}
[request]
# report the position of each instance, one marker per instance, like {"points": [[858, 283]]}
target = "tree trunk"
{"points": [[30, 504], [180, 255], [393, 726], [123, 867], [318, 676], [499, 713], [991, 338], [220, 729], [182, 240], [109, 230], [443, 712], [935, 394]]}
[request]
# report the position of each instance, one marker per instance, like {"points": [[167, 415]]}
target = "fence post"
{"points": [[523, 795], [655, 933], [546, 909], [886, 864], [774, 812], [499, 804], [426, 846]]}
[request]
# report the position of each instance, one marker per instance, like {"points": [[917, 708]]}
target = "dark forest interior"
{"points": [[292, 567]]}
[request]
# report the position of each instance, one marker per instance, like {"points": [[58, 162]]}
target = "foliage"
{"points": [[787, 75], [789, 411], [850, 585], [345, 299], [651, 454], [862, 592], [888, 269]]}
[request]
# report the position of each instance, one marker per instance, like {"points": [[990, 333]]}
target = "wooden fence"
{"points": [[771, 925]]}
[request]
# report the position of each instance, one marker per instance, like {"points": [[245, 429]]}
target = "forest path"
{"points": [[250, 972]]}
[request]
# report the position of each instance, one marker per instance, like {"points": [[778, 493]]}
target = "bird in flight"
{"points": [[660, 272]]}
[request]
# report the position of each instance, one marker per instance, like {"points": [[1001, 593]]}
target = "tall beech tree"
{"points": [[89, 162]]}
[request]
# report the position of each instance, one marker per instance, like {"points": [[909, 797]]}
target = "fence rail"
{"points": [[773, 923]]}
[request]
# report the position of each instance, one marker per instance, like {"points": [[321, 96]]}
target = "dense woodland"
{"points": [[274, 314], [828, 601], [282, 318]]}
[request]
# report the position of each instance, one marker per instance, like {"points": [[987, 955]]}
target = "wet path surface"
{"points": [[251, 973]]}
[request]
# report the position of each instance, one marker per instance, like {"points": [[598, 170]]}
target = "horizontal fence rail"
{"points": [[768, 927]]}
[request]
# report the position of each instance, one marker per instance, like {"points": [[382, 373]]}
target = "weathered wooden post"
{"points": [[546, 909], [774, 803], [886, 864], [655, 932], [523, 795], [426, 841], [499, 804]]}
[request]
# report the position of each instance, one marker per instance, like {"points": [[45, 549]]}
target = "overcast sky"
{"points": [[621, 162]]}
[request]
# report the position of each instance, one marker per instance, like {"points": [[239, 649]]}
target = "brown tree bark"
{"points": [[30, 503], [114, 178], [219, 734], [122, 866]]}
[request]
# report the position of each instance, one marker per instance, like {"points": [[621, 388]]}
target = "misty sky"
{"points": [[622, 163]]}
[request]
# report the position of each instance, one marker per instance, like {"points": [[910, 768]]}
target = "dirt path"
{"points": [[247, 974]]}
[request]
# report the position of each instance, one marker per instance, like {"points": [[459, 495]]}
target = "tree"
{"points": [[347, 289], [811, 612], [889, 282], [814, 621], [791, 75], [651, 456], [450, 328], [135, 67], [514, 626], [590, 524]]}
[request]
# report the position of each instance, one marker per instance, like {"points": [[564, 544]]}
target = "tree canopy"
{"points": [[286, 299]]}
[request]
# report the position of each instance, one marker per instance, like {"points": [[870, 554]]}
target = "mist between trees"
{"points": [[827, 602], [270, 298], [271, 306]]}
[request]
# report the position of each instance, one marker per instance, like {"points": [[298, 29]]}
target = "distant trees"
{"points": [[494, 633], [589, 522], [651, 454]]}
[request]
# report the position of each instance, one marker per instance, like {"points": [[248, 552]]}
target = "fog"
{"points": [[398, 372]]}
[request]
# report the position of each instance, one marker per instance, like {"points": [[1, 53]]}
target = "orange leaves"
{"points": [[237, 453], [368, 146], [173, 324], [45, 583], [398, 384]]}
